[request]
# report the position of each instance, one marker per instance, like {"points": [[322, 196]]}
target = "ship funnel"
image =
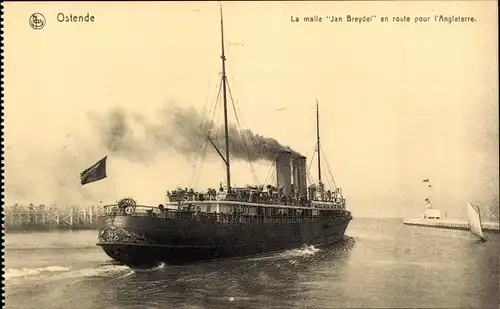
{"points": [[300, 175], [284, 171]]}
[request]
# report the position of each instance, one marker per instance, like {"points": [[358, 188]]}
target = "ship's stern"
{"points": [[121, 238]]}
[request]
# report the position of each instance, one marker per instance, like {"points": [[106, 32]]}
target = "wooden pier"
{"points": [[41, 217]]}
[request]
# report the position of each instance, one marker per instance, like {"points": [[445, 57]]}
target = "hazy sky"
{"points": [[399, 102]]}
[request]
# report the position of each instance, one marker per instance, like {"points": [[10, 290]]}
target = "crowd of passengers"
{"points": [[258, 195]]}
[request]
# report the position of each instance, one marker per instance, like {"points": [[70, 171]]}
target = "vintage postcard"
{"points": [[253, 154]]}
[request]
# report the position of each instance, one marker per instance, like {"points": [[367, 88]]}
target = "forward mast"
{"points": [[224, 96]]}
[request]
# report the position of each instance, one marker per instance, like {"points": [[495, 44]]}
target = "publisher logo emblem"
{"points": [[37, 21]]}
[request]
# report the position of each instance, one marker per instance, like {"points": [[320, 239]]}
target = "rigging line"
{"points": [[217, 127], [330, 185], [274, 182], [216, 105], [196, 175], [328, 179], [309, 178], [202, 161], [215, 121], [268, 177], [204, 151], [255, 178], [205, 105], [272, 177], [243, 121], [201, 127], [331, 182], [268, 174], [202, 142], [202, 158], [328, 167], [241, 124], [203, 118], [209, 121], [310, 163], [210, 125], [272, 174]]}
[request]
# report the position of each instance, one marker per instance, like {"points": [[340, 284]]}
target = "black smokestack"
{"points": [[179, 130]]}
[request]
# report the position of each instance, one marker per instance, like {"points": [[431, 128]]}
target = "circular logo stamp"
{"points": [[37, 21]]}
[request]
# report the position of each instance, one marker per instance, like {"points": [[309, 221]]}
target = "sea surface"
{"points": [[381, 263]]}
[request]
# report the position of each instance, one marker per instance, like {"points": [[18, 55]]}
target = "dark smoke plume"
{"points": [[179, 130]]}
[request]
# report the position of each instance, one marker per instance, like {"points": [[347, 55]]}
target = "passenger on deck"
{"points": [[150, 213], [162, 210]]}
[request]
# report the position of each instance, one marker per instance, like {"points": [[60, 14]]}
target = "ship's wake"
{"points": [[55, 272], [152, 269], [12, 273], [305, 251]]}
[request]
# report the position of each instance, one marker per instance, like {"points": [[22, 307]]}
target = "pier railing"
{"points": [[18, 218]]}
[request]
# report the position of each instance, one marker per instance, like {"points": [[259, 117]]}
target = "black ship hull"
{"points": [[142, 242]]}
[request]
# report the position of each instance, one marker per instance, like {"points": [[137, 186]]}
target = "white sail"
{"points": [[474, 220]]}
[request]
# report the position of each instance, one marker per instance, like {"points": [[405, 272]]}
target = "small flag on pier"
{"points": [[425, 180], [95, 172]]}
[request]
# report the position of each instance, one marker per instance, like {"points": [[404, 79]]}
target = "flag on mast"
{"points": [[95, 172], [425, 180]]}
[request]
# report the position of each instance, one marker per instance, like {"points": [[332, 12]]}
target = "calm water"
{"points": [[382, 264]]}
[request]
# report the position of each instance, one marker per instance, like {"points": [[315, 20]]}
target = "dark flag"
{"points": [[425, 180], [95, 172]]}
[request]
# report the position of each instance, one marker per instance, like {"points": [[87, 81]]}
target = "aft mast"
{"points": [[318, 146], [224, 90]]}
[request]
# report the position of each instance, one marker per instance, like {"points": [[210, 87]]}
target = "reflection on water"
{"points": [[381, 264]]}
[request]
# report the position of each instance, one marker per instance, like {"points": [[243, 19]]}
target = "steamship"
{"points": [[229, 222]]}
